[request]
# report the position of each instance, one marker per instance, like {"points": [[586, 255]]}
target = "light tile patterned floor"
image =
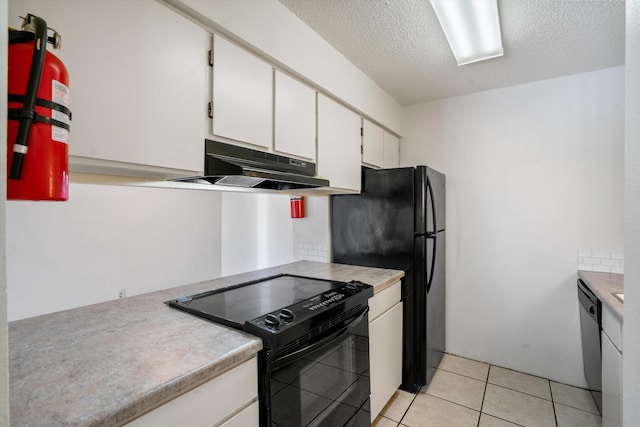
{"points": [[467, 393]]}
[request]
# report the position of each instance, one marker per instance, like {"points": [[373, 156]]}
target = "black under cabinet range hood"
{"points": [[235, 166]]}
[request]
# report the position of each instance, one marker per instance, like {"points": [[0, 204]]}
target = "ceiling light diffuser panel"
{"points": [[472, 28]]}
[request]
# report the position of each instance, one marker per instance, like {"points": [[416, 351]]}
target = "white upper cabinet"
{"points": [[391, 150], [242, 95], [137, 73], [380, 149], [372, 144], [339, 139], [295, 117]]}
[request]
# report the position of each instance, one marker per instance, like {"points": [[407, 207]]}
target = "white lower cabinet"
{"points": [[385, 346], [611, 338], [249, 416], [229, 400]]}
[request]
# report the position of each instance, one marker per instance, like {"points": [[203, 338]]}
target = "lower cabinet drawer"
{"points": [[248, 417], [223, 397], [385, 355]]}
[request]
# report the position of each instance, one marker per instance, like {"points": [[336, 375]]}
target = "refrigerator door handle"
{"points": [[433, 261], [433, 206]]}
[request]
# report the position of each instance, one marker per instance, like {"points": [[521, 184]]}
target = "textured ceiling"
{"points": [[399, 43]]}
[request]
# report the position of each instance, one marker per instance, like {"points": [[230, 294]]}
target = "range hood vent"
{"points": [[234, 166]]}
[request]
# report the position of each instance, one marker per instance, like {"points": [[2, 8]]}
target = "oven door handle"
{"points": [[292, 357]]}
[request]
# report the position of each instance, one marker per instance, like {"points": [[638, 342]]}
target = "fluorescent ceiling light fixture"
{"points": [[472, 28]]}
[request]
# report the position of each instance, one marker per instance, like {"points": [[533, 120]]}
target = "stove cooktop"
{"points": [[274, 305]]}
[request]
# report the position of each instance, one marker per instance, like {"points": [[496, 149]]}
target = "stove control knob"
{"points": [[286, 315], [271, 321], [351, 287]]}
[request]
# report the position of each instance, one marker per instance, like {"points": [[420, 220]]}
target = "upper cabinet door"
{"points": [[372, 144], [391, 151], [242, 95], [137, 81], [339, 139], [295, 117]]}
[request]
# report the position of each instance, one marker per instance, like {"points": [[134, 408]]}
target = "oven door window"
{"points": [[327, 387]]}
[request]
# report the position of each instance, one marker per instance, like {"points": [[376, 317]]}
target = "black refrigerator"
{"points": [[398, 222]]}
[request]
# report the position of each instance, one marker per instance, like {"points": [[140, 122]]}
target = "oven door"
{"points": [[323, 383]]}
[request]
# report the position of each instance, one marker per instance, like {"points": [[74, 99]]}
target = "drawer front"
{"points": [[248, 417], [612, 327], [209, 403], [383, 301], [385, 343]]}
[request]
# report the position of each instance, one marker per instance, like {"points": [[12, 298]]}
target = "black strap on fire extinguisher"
{"points": [[14, 113], [27, 112], [40, 103]]}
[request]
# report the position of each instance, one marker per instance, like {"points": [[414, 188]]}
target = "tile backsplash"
{"points": [[313, 252], [602, 261]]}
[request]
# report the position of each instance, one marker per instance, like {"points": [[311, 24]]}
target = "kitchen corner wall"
{"points": [[312, 235], [107, 238], [141, 239], [534, 173], [257, 231]]}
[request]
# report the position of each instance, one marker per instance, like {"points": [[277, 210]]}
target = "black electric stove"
{"points": [[313, 369], [277, 309]]}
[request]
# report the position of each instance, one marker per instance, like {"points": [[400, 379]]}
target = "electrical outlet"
{"points": [[122, 293]]}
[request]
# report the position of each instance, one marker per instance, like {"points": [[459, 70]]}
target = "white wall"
{"points": [[312, 235], [631, 329], [257, 232], [106, 238], [534, 173]]}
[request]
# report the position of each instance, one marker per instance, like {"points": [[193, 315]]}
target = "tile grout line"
{"points": [[577, 409], [451, 401], [462, 375], [522, 392], [409, 407], [550, 399], [553, 404], [506, 388], [484, 393]]}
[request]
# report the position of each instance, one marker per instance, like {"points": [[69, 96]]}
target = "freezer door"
{"points": [[435, 200], [377, 225], [420, 196]]}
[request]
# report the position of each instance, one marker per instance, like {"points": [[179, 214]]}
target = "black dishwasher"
{"points": [[590, 325]]}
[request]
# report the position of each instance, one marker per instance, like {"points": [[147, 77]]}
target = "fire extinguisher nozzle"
{"points": [[16, 166]]}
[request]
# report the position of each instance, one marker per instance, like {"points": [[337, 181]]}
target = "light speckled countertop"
{"points": [[604, 285], [108, 363]]}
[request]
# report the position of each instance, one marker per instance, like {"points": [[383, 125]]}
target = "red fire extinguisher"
{"points": [[39, 115]]}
